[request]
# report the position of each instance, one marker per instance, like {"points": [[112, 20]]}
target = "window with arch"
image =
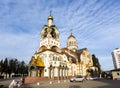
{"points": [[118, 73]]}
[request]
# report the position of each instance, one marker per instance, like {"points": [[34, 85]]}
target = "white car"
{"points": [[77, 79]]}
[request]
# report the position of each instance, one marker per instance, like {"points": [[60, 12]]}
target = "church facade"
{"points": [[52, 61]]}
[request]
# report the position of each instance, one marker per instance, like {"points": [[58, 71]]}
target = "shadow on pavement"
{"points": [[3, 86], [110, 83], [74, 86]]}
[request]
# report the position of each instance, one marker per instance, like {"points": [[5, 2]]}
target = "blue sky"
{"points": [[94, 23]]}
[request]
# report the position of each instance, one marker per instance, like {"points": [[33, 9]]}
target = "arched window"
{"points": [[53, 33], [45, 32], [74, 42]]}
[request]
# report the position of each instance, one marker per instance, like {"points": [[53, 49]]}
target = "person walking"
{"points": [[22, 80]]}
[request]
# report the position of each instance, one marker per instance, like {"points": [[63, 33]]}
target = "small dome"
{"points": [[50, 17], [71, 36]]}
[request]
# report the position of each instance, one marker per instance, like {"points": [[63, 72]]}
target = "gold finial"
{"points": [[50, 16], [50, 19]]}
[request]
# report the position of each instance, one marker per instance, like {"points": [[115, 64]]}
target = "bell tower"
{"points": [[72, 43], [49, 34]]}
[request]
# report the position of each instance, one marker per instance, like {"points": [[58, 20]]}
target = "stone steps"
{"points": [[39, 79]]}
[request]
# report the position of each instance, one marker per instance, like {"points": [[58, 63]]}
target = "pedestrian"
{"points": [[22, 80], [12, 84]]}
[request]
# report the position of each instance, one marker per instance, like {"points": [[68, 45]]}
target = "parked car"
{"points": [[92, 78], [77, 79]]}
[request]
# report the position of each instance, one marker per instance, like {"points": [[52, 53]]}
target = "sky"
{"points": [[94, 23]]}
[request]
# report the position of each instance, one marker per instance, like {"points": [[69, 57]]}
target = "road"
{"points": [[104, 83]]}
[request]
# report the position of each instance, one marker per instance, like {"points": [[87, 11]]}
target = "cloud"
{"points": [[106, 63], [20, 46]]}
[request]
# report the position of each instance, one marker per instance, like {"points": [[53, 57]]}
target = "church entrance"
{"points": [[40, 71], [37, 71], [36, 67]]}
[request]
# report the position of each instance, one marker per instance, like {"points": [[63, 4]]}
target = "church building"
{"points": [[51, 61]]}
